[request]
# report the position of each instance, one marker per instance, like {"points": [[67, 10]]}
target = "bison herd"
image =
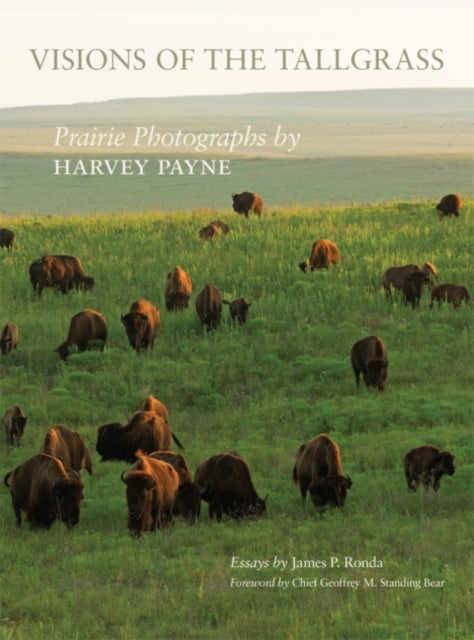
{"points": [[159, 485]]}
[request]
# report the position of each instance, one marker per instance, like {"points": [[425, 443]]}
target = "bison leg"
{"points": [[17, 510]]}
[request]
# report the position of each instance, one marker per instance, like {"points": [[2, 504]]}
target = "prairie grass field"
{"points": [[263, 388]]}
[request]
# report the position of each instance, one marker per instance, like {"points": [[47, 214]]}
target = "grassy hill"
{"points": [[264, 389]]}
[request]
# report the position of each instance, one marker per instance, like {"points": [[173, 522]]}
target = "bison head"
{"points": [[135, 326], [68, 493], [445, 463], [376, 373], [139, 501], [331, 490]]}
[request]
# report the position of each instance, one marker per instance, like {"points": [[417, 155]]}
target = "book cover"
{"points": [[144, 142]]}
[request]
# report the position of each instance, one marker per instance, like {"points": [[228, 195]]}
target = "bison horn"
{"points": [[122, 477]]}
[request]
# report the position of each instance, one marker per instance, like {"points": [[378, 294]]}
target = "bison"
{"points": [[427, 464], [15, 422], [449, 205], [45, 490], [369, 357], [61, 271], [152, 486], [453, 293], [209, 306], [62, 442], [413, 286], [239, 310], [178, 289], [141, 324], [7, 238], [146, 430], [208, 232], [246, 201], [153, 404], [188, 499], [9, 338], [318, 469], [86, 326], [399, 277], [323, 253], [225, 483]]}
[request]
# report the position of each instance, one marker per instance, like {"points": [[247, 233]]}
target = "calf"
{"points": [[15, 422], [318, 469], [369, 357], [45, 490], [152, 486], [239, 310], [453, 293], [427, 464], [9, 338]]}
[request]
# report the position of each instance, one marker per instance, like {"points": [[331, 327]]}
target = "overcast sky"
{"points": [[441, 30]]}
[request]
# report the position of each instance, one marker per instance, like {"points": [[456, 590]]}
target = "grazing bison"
{"points": [[323, 253], [67, 445], [178, 289], [427, 464], [153, 404], [7, 238], [239, 310], [453, 293], [9, 338], [152, 486], [208, 232], [61, 271], [449, 205], [146, 431], [15, 422], [413, 286], [45, 490], [141, 324], [209, 306], [318, 469], [86, 326], [244, 202], [369, 357], [226, 484], [188, 499]]}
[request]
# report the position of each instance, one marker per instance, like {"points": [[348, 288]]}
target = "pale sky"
{"points": [[433, 34]]}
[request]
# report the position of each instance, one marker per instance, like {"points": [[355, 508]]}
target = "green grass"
{"points": [[263, 389]]}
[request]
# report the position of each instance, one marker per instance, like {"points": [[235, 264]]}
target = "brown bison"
{"points": [[188, 499], [323, 253], [318, 469], [7, 238], [153, 404], [453, 293], [45, 490], [244, 202], [61, 271], [427, 464], [369, 357], [146, 431], [449, 205], [226, 484], [141, 324], [85, 327], [67, 445], [15, 422], [152, 486], [413, 286], [178, 289], [209, 306], [9, 338], [397, 277], [208, 232], [239, 310]]}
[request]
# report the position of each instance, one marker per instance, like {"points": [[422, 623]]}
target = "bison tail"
{"points": [[5, 479], [177, 441], [225, 301]]}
